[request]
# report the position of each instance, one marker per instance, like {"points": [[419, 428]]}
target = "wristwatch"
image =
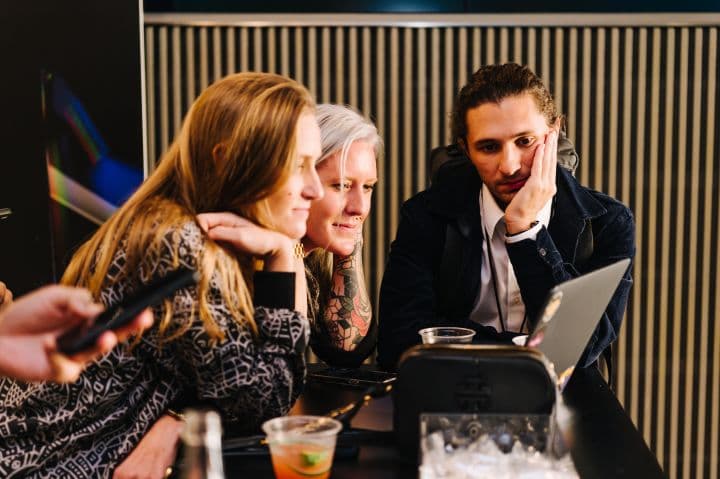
{"points": [[532, 225]]}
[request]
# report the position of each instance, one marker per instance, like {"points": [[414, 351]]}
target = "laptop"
{"points": [[571, 313]]}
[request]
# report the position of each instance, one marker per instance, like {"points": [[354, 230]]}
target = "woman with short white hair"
{"points": [[344, 332]]}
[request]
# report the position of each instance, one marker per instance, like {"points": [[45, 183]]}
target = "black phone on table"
{"points": [[361, 376], [84, 337]]}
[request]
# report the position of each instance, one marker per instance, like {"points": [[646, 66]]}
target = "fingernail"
{"points": [[92, 309], [85, 296]]}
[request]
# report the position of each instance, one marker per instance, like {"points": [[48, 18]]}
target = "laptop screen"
{"points": [[571, 313]]}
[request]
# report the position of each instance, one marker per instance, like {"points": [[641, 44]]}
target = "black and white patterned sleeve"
{"points": [[249, 378]]}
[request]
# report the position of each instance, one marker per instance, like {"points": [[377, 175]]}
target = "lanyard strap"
{"points": [[493, 274]]}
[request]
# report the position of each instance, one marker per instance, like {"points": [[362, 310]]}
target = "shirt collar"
{"points": [[490, 211], [492, 214]]}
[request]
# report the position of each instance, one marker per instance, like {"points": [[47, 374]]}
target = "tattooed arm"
{"points": [[347, 314]]}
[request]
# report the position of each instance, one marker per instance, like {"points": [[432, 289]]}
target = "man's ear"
{"points": [[462, 145]]}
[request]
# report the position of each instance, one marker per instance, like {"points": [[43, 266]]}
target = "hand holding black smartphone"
{"points": [[84, 337]]}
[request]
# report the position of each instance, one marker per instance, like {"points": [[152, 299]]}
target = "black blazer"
{"points": [[411, 297]]}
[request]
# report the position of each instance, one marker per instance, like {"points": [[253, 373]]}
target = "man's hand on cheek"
{"points": [[537, 191]]}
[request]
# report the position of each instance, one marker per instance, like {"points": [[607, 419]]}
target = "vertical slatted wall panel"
{"points": [[642, 105]]}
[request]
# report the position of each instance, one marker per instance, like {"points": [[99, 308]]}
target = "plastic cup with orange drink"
{"points": [[302, 446]]}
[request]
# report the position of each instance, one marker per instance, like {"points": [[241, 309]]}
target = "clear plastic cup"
{"points": [[302, 446], [446, 335]]}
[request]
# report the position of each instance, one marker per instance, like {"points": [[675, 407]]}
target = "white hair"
{"points": [[340, 126]]}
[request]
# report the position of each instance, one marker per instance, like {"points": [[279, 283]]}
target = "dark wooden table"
{"points": [[606, 443]]}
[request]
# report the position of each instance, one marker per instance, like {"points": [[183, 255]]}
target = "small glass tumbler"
{"points": [[446, 335]]}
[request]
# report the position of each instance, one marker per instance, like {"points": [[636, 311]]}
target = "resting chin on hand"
{"points": [[155, 453], [540, 187], [276, 249], [245, 236]]}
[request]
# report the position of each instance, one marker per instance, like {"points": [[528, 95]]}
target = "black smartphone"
{"points": [[361, 376], [83, 337]]}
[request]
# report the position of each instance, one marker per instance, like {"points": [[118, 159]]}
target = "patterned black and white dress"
{"points": [[86, 429]]}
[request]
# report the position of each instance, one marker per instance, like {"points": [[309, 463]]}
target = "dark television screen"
{"points": [[71, 128]]}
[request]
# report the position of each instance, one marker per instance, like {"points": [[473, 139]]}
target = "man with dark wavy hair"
{"points": [[500, 225]]}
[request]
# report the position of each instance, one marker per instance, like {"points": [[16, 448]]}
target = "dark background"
{"points": [[95, 46], [426, 6]]}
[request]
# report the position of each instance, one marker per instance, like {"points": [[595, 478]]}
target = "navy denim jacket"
{"points": [[411, 297]]}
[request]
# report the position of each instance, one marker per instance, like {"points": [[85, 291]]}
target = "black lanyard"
{"points": [[493, 273]]}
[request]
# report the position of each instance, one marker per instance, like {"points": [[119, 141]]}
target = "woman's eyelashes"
{"points": [[341, 186], [367, 187], [305, 162]]}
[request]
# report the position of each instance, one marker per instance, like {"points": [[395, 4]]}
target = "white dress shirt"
{"points": [[513, 308]]}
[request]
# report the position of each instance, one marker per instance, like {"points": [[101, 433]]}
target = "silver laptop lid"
{"points": [[571, 313]]}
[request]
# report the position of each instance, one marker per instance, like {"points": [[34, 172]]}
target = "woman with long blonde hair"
{"points": [[235, 341]]}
